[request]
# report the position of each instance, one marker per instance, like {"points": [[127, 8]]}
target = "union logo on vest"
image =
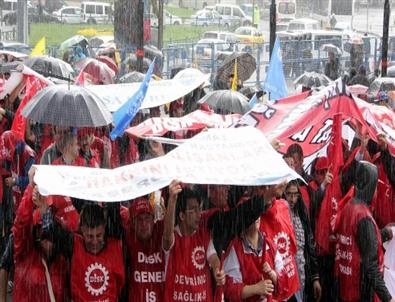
{"points": [[198, 257], [96, 279], [283, 243]]}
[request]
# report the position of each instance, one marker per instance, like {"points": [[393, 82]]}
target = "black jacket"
{"points": [[371, 278]]}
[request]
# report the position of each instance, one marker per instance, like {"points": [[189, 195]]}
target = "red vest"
{"points": [[276, 223], [30, 283], [348, 257], [147, 263], [188, 275], [97, 277], [384, 204], [251, 267]]}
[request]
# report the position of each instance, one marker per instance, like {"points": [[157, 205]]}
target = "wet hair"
{"points": [[294, 148], [92, 216], [362, 70], [293, 182], [65, 140], [183, 198], [353, 72]]}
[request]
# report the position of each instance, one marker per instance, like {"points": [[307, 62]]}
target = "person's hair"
{"points": [[294, 148], [353, 72], [183, 198], [92, 216], [293, 182], [362, 70], [65, 140]]}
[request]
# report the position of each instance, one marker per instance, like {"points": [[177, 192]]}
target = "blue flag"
{"points": [[253, 101], [125, 114], [275, 81]]}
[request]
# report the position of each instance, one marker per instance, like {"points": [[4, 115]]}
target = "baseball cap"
{"points": [[322, 163], [140, 206]]}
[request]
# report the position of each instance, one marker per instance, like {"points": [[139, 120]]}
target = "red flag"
{"points": [[33, 85], [80, 81], [333, 194]]}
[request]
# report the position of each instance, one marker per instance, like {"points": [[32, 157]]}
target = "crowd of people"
{"points": [[247, 243], [191, 242]]}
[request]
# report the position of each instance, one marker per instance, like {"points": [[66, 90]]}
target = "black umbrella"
{"points": [[246, 66], [381, 84], [50, 67], [312, 79], [68, 106], [249, 91], [132, 77], [226, 101]]}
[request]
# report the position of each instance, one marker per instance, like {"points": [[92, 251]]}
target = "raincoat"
{"points": [[30, 283]]}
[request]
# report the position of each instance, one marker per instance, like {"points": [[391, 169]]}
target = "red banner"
{"points": [[33, 85], [305, 119], [196, 120], [381, 120], [333, 193]]}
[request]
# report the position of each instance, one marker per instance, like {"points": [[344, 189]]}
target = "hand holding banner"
{"points": [[235, 156]]}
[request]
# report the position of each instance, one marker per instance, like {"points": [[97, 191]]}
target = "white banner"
{"points": [[159, 92], [197, 120], [236, 156]]}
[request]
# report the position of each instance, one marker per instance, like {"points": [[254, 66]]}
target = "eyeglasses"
{"points": [[292, 194], [194, 210]]}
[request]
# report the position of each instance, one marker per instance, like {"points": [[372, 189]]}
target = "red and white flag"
{"points": [[33, 85]]}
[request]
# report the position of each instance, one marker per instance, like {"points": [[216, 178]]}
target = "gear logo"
{"points": [[199, 257], [96, 279], [283, 243]]}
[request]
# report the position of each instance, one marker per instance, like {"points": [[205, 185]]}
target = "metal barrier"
{"points": [[298, 56], [8, 35]]}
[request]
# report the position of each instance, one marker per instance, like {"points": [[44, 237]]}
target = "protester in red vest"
{"points": [[16, 158], [359, 254], [69, 148], [97, 261], [276, 223], [384, 205], [86, 138], [254, 268], [147, 261], [41, 271], [190, 250], [52, 152], [217, 201]]}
